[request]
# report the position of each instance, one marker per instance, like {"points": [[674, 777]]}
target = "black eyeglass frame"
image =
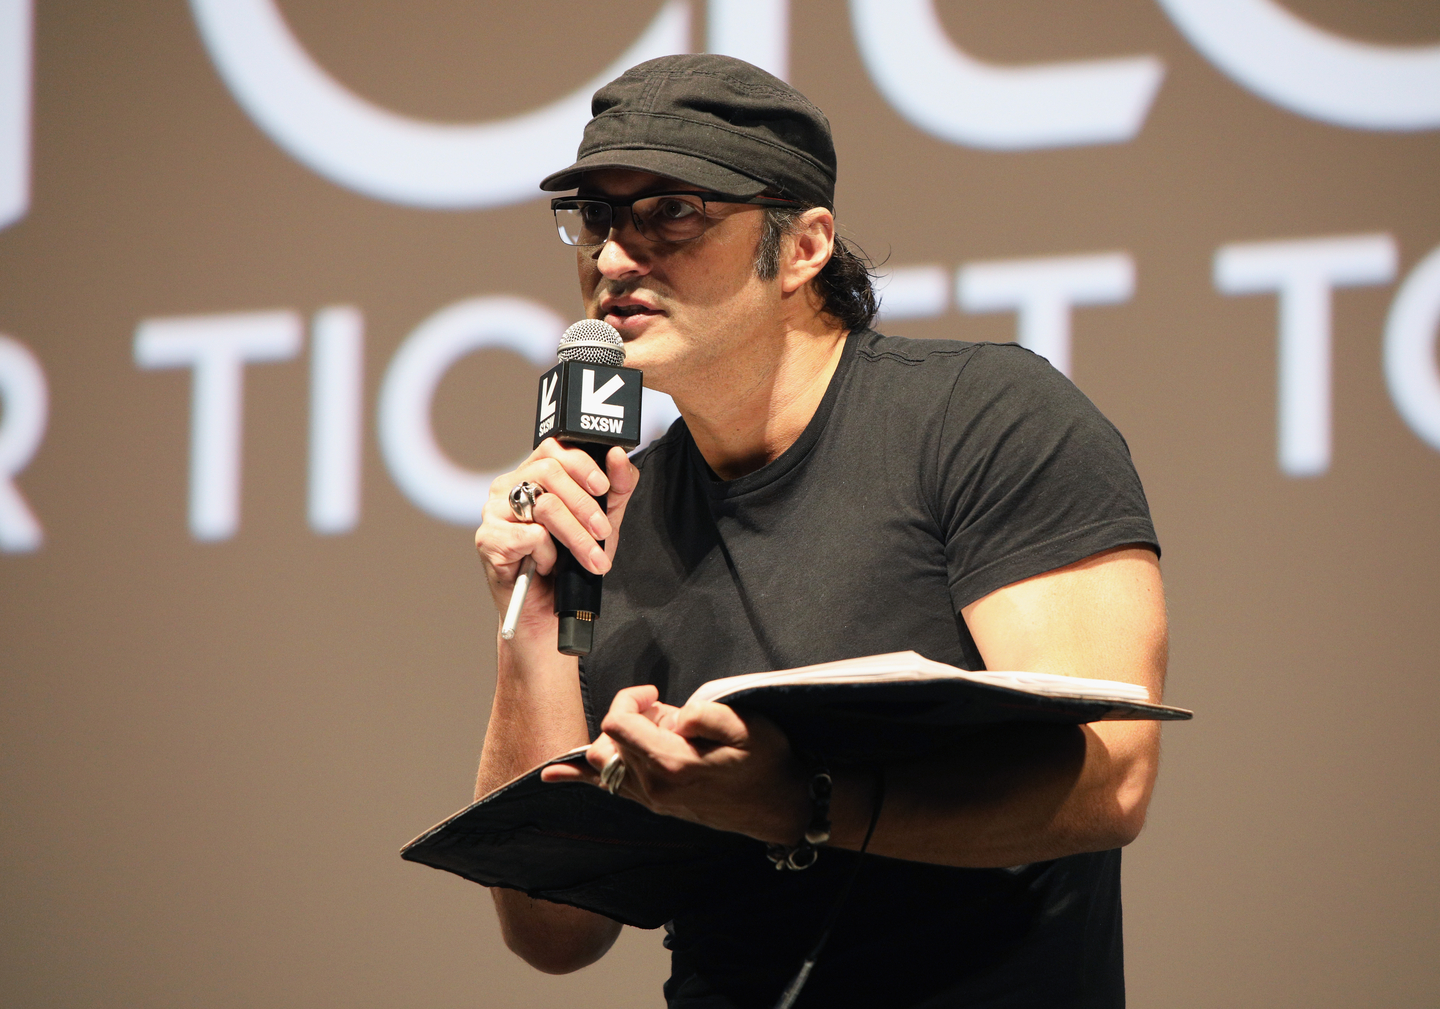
{"points": [[558, 203]]}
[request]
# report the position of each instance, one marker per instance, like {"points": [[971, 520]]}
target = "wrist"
{"points": [[531, 630], [536, 619], [852, 803], [530, 660], [818, 790]]}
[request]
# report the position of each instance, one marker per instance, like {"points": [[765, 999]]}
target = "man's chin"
{"points": [[649, 354]]}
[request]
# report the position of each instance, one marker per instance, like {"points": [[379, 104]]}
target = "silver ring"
{"points": [[522, 500], [612, 775]]}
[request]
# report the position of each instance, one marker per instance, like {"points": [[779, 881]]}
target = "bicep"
{"points": [[1102, 617]]}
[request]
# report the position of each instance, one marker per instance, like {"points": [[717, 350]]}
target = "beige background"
{"points": [[212, 751]]}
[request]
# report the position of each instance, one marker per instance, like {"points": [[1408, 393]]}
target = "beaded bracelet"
{"points": [[803, 855]]}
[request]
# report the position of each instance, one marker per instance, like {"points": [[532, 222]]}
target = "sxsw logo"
{"points": [[608, 425], [547, 404], [589, 402], [597, 413]]}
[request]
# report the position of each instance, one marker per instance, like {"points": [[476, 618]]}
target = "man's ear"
{"points": [[807, 249]]}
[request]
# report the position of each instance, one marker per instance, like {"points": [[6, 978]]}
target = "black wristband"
{"points": [[803, 855]]}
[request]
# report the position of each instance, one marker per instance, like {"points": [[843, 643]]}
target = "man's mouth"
{"points": [[623, 316]]}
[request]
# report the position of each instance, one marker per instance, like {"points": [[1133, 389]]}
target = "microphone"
{"points": [[591, 401]]}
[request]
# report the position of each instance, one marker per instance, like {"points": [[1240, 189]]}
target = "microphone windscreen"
{"points": [[592, 341]]}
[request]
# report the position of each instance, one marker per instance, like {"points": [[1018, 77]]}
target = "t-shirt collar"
{"points": [[792, 456]]}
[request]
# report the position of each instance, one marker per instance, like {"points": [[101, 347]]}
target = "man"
{"points": [[830, 493]]}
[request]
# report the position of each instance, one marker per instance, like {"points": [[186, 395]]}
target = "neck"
{"points": [[749, 415]]}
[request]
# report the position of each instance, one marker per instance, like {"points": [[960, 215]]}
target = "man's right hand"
{"points": [[567, 510]]}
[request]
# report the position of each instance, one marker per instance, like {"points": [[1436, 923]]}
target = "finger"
{"points": [[503, 544], [623, 478], [569, 772], [542, 548], [635, 736], [633, 700], [563, 488], [577, 462], [552, 515], [600, 752], [662, 714], [499, 534], [623, 474], [533, 540], [718, 723], [642, 703], [568, 511]]}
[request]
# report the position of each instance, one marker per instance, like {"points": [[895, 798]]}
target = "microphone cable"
{"points": [[797, 983]]}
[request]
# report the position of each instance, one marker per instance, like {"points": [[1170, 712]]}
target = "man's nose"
{"points": [[621, 255]]}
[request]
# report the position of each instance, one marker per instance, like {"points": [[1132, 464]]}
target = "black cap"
{"points": [[710, 121]]}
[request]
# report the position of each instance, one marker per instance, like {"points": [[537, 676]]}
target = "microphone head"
{"points": [[592, 341]]}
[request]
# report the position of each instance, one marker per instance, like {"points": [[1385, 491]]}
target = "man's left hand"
{"points": [[703, 762]]}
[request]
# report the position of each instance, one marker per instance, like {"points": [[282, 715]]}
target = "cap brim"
{"points": [[680, 167]]}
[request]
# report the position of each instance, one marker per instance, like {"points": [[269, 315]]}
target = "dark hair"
{"points": [[845, 283]]}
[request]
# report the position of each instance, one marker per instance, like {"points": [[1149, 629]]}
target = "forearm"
{"points": [[537, 712], [536, 715], [1012, 795]]}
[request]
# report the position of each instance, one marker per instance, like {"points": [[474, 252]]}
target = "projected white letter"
{"points": [[407, 441], [1043, 291], [914, 292], [657, 412], [16, 34], [956, 97], [1411, 369], [388, 156], [337, 375], [26, 402], [217, 347], [1303, 273], [1290, 62], [756, 31]]}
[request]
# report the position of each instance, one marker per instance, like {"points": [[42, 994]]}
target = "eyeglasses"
{"points": [[660, 217]]}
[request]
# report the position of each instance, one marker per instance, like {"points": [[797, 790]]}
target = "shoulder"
{"points": [[951, 357], [956, 376], [872, 347], [899, 373]]}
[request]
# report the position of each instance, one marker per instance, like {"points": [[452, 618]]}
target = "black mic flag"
{"points": [[591, 401]]}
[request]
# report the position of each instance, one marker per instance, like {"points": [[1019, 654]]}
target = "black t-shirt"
{"points": [[932, 473]]}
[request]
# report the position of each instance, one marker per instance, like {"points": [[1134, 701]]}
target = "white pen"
{"points": [[517, 598]]}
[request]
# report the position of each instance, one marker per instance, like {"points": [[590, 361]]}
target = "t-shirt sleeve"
{"points": [[1031, 476]]}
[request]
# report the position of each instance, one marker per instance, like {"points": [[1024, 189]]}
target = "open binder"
{"points": [[573, 843]]}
